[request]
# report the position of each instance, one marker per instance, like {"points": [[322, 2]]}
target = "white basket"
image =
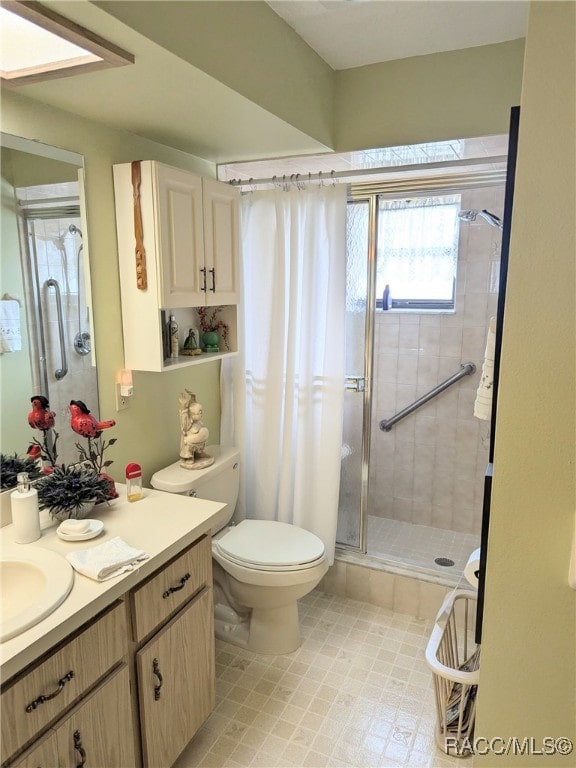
{"points": [[454, 659]]}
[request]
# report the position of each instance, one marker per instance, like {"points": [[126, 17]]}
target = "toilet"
{"points": [[261, 568]]}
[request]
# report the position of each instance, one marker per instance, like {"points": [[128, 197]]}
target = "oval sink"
{"points": [[35, 582]]}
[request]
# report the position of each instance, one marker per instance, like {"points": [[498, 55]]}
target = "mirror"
{"points": [[46, 333]]}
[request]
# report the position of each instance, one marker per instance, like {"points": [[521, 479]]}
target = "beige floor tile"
{"points": [[356, 694]]}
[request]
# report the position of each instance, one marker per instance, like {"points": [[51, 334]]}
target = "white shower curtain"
{"points": [[285, 413]]}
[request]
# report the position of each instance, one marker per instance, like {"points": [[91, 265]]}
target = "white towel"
{"points": [[10, 335], [106, 560], [483, 402]]}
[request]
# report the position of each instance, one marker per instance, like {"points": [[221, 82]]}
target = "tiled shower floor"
{"points": [[419, 545], [357, 693]]}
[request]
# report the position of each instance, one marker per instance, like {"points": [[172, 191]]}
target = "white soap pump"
{"points": [[25, 513]]}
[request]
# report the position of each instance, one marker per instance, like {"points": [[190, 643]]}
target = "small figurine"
{"points": [[41, 417], [191, 344], [82, 421], [194, 434]]}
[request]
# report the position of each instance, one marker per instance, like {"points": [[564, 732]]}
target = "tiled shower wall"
{"points": [[429, 468]]}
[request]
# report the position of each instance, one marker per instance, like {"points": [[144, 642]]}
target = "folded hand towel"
{"points": [[106, 560], [10, 336]]}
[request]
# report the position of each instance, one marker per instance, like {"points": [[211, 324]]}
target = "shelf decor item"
{"points": [[43, 419], [13, 465], [213, 328]]}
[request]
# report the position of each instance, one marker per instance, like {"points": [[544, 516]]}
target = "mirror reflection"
{"points": [[45, 303]]}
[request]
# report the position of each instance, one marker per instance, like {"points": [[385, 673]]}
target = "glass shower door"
{"points": [[351, 529]]}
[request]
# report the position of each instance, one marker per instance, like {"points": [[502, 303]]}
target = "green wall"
{"points": [[148, 432], [246, 46], [528, 669], [457, 94]]}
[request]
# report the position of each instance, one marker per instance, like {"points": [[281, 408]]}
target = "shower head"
{"points": [[75, 230], [491, 218]]}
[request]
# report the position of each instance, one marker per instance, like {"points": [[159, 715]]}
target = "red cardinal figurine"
{"points": [[40, 417], [83, 423]]}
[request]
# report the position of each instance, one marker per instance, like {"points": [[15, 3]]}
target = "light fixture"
{"points": [[126, 385], [38, 44]]}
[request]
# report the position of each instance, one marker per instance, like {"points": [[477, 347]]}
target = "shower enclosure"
{"points": [[58, 324], [411, 495]]}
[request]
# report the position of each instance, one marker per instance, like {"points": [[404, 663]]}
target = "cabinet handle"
{"points": [[203, 288], [79, 748], [42, 698], [213, 273], [156, 672], [181, 583]]}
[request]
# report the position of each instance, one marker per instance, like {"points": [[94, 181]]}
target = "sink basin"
{"points": [[34, 582]]}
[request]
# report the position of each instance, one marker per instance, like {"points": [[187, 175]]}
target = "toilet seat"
{"points": [[268, 545]]}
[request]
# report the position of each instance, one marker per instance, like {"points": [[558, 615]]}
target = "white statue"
{"points": [[194, 433]]}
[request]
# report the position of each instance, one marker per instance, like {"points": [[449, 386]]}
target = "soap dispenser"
{"points": [[25, 513]]}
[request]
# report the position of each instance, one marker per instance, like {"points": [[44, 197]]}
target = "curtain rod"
{"points": [[297, 178]]}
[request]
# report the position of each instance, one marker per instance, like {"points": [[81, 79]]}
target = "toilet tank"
{"points": [[218, 482]]}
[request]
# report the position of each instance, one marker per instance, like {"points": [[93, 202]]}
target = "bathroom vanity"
{"points": [[122, 672]]}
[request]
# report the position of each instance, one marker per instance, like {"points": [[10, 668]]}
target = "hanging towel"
{"points": [[106, 560], [10, 336], [483, 402]]}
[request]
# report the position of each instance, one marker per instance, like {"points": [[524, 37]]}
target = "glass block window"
{"points": [[417, 252]]}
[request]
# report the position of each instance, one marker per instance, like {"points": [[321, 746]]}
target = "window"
{"points": [[417, 252]]}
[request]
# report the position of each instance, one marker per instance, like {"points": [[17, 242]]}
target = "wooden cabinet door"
{"points": [[98, 733], [176, 681], [44, 754], [180, 235], [221, 242]]}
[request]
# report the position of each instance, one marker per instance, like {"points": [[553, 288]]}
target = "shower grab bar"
{"points": [[59, 373], [466, 369]]}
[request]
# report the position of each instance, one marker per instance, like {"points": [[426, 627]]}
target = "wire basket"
{"points": [[454, 659]]}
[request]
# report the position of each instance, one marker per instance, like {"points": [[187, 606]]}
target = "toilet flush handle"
{"points": [[193, 492]]}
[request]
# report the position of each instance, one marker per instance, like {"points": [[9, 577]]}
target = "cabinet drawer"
{"points": [[62, 678], [171, 587]]}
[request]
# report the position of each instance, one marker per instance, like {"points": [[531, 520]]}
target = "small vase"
{"points": [[74, 513], [211, 341]]}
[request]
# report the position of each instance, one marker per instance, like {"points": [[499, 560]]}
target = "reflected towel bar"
{"points": [[466, 369]]}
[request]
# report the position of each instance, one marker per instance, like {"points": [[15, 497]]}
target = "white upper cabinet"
{"points": [[178, 248]]}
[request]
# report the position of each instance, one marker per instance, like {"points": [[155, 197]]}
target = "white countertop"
{"points": [[162, 524]]}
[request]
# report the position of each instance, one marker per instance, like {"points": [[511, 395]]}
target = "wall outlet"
{"points": [[122, 403]]}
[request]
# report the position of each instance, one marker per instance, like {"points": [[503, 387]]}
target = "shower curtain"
{"points": [[282, 396]]}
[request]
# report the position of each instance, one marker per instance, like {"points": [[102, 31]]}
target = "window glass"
{"points": [[417, 252]]}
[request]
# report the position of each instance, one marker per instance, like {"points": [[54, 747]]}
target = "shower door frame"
{"points": [[372, 202]]}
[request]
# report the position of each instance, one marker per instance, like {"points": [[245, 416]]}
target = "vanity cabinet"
{"points": [[132, 685], [175, 667], [188, 226], [37, 698]]}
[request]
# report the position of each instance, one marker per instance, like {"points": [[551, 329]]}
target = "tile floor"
{"points": [[357, 693]]}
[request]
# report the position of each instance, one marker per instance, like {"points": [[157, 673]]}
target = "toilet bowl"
{"points": [[261, 568]]}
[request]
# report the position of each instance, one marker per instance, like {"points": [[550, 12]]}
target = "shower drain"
{"points": [[445, 561]]}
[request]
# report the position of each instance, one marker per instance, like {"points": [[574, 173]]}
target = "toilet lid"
{"points": [[270, 544]]}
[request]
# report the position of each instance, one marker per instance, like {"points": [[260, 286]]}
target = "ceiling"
{"points": [[352, 33], [229, 126]]}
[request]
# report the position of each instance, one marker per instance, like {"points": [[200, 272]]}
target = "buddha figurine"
{"points": [[194, 435]]}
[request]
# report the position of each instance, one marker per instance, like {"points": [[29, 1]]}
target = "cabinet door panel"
{"points": [[181, 238], [221, 242], [176, 682], [44, 754], [99, 731]]}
